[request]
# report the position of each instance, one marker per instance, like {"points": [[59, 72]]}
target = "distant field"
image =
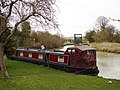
{"points": [[27, 76], [67, 43]]}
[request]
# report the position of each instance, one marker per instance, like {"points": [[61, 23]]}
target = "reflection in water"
{"points": [[109, 65]]}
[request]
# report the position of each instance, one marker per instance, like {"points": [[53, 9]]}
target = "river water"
{"points": [[108, 64]]}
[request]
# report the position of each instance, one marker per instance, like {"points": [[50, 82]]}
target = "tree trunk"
{"points": [[2, 65]]}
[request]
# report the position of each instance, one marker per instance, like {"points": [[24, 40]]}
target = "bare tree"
{"points": [[115, 19], [15, 12], [102, 22]]}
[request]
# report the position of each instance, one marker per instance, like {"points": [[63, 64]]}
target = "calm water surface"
{"points": [[108, 64]]}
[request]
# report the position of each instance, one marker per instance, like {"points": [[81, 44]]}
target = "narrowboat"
{"points": [[77, 59]]}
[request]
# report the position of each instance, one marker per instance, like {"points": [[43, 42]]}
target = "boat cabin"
{"points": [[81, 56]]}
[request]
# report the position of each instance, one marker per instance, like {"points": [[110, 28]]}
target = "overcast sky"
{"points": [[78, 16]]}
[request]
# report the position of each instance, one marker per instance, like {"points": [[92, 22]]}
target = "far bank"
{"points": [[107, 47]]}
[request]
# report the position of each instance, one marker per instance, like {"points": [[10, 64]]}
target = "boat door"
{"points": [[75, 57]]}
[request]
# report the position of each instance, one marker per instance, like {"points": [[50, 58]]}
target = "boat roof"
{"points": [[83, 48]]}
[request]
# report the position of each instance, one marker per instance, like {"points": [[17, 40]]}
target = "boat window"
{"points": [[30, 55], [73, 51], [21, 54], [60, 58], [89, 52], [80, 52], [40, 56], [69, 51]]}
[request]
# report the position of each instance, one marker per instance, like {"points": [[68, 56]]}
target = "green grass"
{"points": [[68, 43], [27, 76]]}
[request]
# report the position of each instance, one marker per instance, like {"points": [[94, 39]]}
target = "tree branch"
{"points": [[115, 19], [2, 2], [15, 28], [10, 9]]}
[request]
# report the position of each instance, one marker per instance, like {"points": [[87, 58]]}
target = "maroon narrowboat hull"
{"points": [[72, 60], [84, 71], [64, 67]]}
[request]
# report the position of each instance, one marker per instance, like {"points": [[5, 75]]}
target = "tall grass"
{"points": [[27, 76], [107, 47]]}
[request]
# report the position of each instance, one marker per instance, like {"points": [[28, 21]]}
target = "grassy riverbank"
{"points": [[107, 47], [27, 76]]}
